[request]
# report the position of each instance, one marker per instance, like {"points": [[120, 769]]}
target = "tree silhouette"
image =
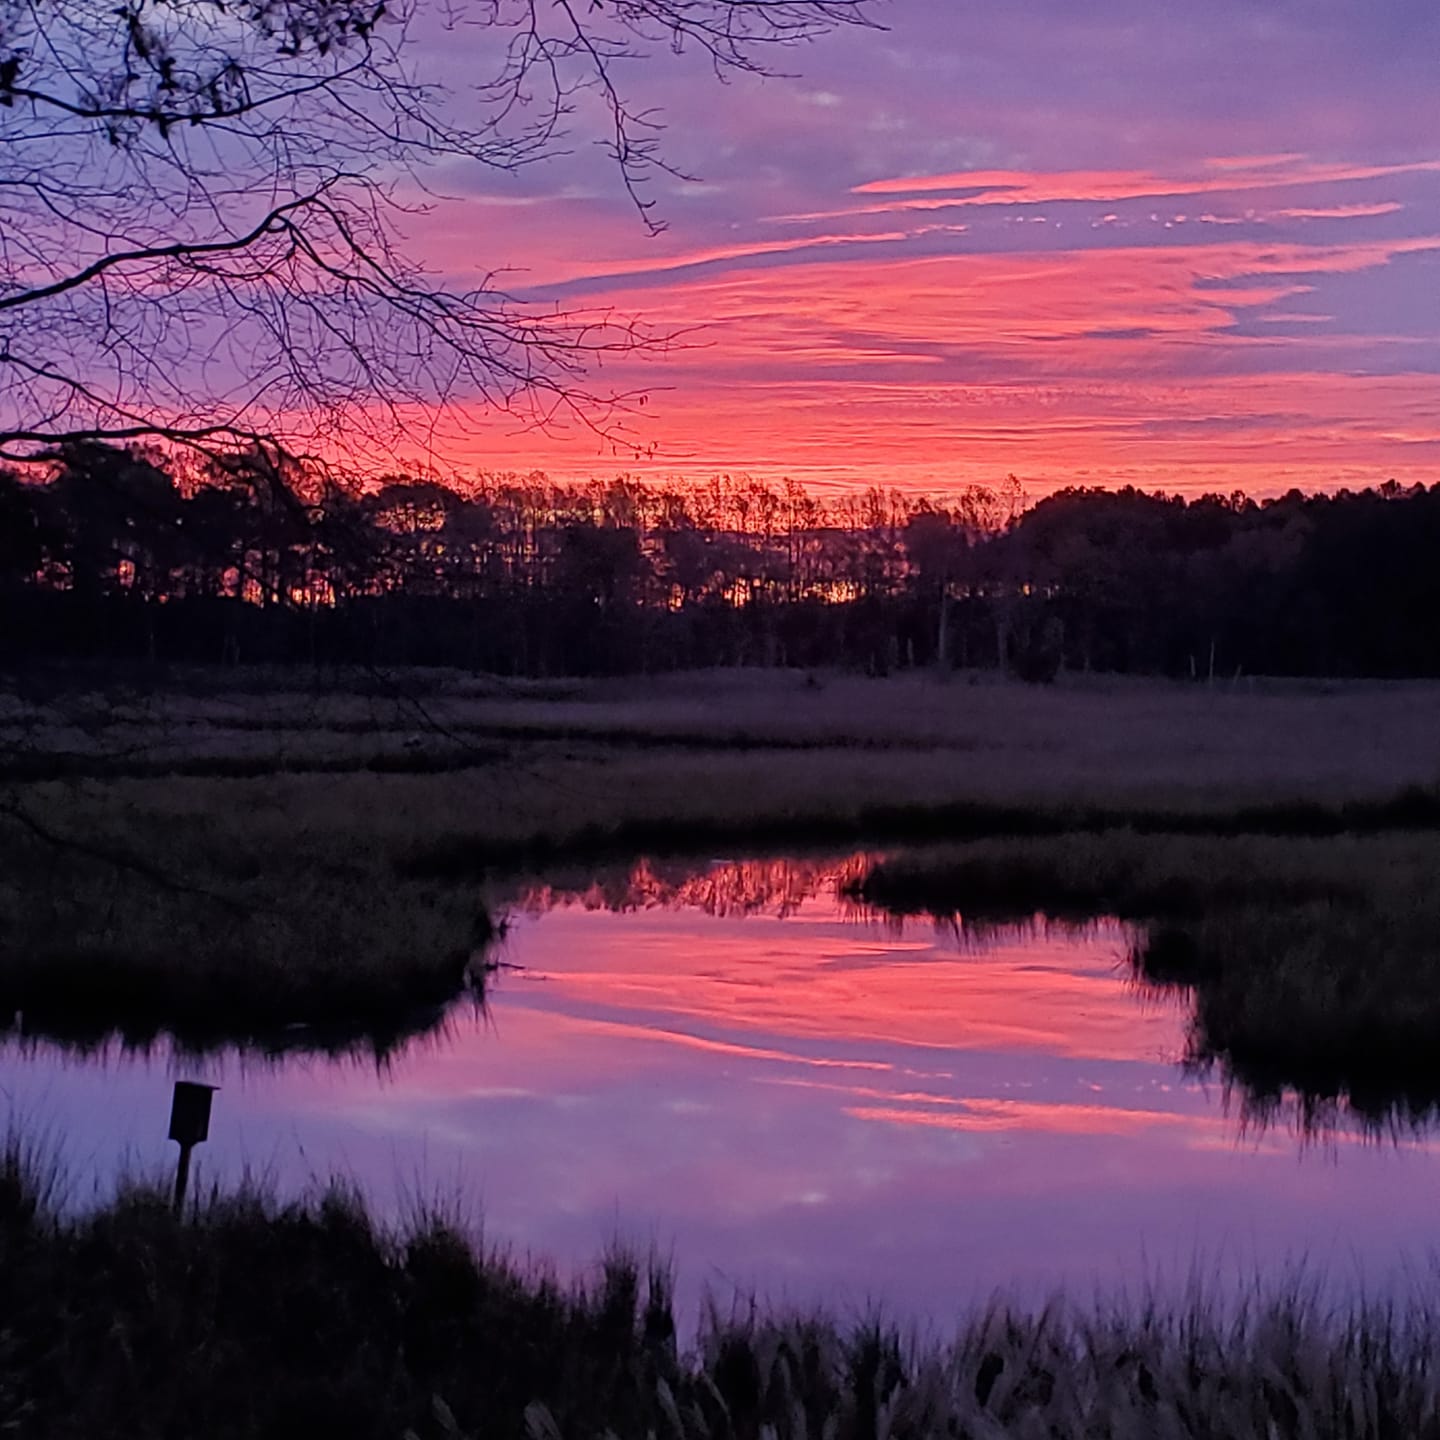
{"points": [[200, 202], [115, 557]]}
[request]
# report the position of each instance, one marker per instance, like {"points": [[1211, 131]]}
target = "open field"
{"points": [[731, 752], [253, 1317]]}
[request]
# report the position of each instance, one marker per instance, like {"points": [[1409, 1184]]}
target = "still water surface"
{"points": [[792, 1098]]}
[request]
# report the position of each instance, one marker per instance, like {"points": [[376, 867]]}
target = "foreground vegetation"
{"points": [[252, 1317]]}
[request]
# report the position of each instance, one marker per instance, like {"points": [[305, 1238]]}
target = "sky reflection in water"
{"points": [[794, 1100]]}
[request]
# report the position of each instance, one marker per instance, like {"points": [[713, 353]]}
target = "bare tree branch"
{"points": [[200, 203]]}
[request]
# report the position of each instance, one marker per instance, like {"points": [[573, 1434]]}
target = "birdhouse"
{"points": [[190, 1112]]}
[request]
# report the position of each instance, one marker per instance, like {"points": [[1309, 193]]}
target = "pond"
{"points": [[790, 1097]]}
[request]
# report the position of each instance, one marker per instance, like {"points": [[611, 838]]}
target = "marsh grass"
{"points": [[1138, 874], [735, 760], [1336, 1006], [253, 1316], [257, 1317], [910, 740], [325, 871], [1320, 739], [261, 949]]}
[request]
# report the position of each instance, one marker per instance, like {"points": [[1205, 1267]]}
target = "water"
{"points": [[732, 1066]]}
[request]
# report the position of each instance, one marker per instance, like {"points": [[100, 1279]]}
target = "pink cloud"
{"points": [[989, 1116], [1243, 349], [1008, 187], [1339, 212]]}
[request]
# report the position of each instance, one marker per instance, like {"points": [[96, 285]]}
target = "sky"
{"points": [[1187, 247]]}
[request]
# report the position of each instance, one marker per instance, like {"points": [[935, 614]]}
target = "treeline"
{"points": [[120, 555]]}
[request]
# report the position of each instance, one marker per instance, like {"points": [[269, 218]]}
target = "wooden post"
{"points": [[182, 1180]]}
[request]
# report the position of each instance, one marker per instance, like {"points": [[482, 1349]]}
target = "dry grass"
{"points": [[1112, 738]]}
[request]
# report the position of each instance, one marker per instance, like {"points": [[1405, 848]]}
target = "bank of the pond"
{"points": [[460, 856], [149, 930], [256, 1317]]}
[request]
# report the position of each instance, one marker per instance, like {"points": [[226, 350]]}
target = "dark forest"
{"points": [[116, 555]]}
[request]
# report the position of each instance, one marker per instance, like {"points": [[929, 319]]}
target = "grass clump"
{"points": [[222, 945], [1128, 873], [251, 1317]]}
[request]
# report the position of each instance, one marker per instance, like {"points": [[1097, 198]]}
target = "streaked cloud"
{"points": [[1123, 245], [1227, 175]]}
